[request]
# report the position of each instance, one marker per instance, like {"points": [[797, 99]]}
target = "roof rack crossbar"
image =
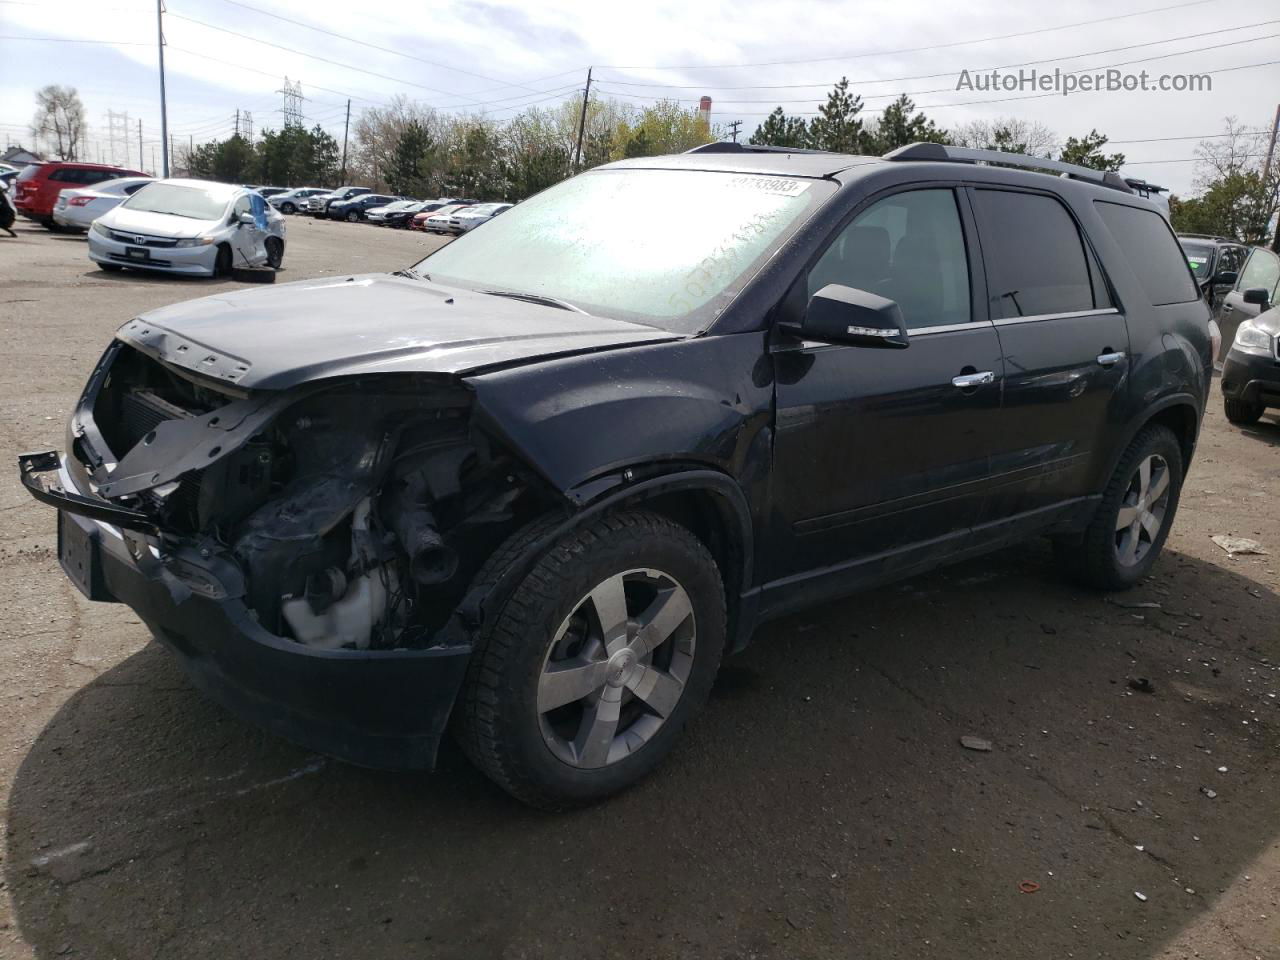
{"points": [[732, 146], [938, 152]]}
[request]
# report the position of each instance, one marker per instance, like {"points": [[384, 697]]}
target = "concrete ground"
{"points": [[822, 806]]}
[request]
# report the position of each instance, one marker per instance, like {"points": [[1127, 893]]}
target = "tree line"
{"points": [[412, 149]]}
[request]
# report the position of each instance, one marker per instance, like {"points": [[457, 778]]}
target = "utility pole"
{"points": [[733, 129], [582, 123], [346, 125], [237, 121], [140, 160], [164, 110], [1266, 172]]}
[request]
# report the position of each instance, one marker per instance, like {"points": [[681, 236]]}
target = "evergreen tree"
{"points": [[897, 128], [838, 127], [780, 130], [1087, 152], [410, 170]]}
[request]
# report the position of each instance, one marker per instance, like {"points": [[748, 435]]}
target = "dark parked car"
{"points": [[1251, 373], [1215, 263], [353, 210], [318, 206], [543, 480], [1254, 292]]}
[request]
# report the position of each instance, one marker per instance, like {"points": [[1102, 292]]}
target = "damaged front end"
{"points": [[342, 520]]}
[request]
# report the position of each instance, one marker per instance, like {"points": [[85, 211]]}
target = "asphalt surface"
{"points": [[822, 806]]}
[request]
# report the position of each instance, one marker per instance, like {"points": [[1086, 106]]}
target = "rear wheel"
{"points": [[1133, 518], [352, 216], [599, 657], [1242, 412], [275, 252]]}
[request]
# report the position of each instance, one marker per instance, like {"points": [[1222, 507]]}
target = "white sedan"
{"points": [[77, 209], [191, 227], [468, 218]]}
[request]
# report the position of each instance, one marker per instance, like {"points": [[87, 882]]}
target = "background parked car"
{"points": [[402, 216], [76, 209], [468, 218], [291, 201], [1254, 292], [353, 210], [418, 221], [189, 226], [380, 214], [438, 222], [318, 206], [38, 185], [270, 191], [1215, 262]]}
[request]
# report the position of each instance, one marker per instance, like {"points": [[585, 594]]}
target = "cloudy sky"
{"points": [[749, 55]]}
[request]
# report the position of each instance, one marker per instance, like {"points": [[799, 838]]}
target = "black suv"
{"points": [[318, 206], [538, 484]]}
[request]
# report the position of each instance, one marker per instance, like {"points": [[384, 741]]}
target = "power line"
{"points": [[889, 96], [948, 73], [111, 43], [372, 46], [891, 53]]}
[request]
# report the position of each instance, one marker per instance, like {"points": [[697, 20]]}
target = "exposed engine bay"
{"points": [[356, 511]]}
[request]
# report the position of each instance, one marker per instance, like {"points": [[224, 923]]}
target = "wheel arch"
{"points": [[1181, 413]]}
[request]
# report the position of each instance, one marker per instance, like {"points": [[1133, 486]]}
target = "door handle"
{"points": [[1110, 359], [973, 379]]}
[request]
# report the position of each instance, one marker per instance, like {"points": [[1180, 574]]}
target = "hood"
{"points": [[157, 224], [288, 334], [1268, 321]]}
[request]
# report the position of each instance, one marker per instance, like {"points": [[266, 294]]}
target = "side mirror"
{"points": [[1256, 295], [245, 219], [838, 314], [1225, 278]]}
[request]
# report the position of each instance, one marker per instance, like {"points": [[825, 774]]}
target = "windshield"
{"points": [[180, 201], [609, 242], [1200, 257]]}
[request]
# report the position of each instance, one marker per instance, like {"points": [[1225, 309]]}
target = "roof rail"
{"points": [[1143, 188], [732, 146], [941, 153]]}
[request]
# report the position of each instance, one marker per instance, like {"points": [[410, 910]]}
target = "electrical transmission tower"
{"points": [[292, 110], [118, 136], [246, 125]]}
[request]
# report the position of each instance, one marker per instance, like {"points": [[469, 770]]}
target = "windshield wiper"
{"points": [[535, 298], [175, 213], [411, 274]]}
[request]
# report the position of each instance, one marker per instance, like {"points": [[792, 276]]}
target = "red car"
{"points": [[37, 186]]}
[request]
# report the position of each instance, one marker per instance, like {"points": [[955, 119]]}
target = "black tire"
{"points": [[275, 252], [1096, 558], [110, 267], [1242, 412], [499, 725], [222, 263], [352, 216], [288, 207]]}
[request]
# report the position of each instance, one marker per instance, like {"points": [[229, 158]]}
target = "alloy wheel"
{"points": [[616, 669], [1142, 510]]}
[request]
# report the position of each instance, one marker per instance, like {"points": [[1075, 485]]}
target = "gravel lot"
{"points": [[822, 807]]}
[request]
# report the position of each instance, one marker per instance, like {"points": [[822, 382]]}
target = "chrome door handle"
{"points": [[973, 379], [1110, 359]]}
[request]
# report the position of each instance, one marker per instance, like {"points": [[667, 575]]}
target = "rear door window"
{"points": [[1036, 260], [1152, 252]]}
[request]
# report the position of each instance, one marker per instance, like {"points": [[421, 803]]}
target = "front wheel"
{"points": [[597, 660], [1241, 412], [352, 216], [287, 207], [275, 252], [1133, 518], [222, 261]]}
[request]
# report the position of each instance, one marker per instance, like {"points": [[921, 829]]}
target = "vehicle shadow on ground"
{"points": [[822, 800], [1267, 429]]}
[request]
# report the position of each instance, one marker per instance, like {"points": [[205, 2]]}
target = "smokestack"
{"points": [[704, 110]]}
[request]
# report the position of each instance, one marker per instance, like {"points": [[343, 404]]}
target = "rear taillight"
{"points": [[81, 201]]}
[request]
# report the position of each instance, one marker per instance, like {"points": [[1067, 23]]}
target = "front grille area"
{"points": [[142, 240]]}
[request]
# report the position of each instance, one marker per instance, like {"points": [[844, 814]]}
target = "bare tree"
{"points": [[1007, 133], [1238, 151], [59, 120]]}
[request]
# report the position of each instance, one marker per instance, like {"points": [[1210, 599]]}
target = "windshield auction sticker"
{"points": [[778, 186]]}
